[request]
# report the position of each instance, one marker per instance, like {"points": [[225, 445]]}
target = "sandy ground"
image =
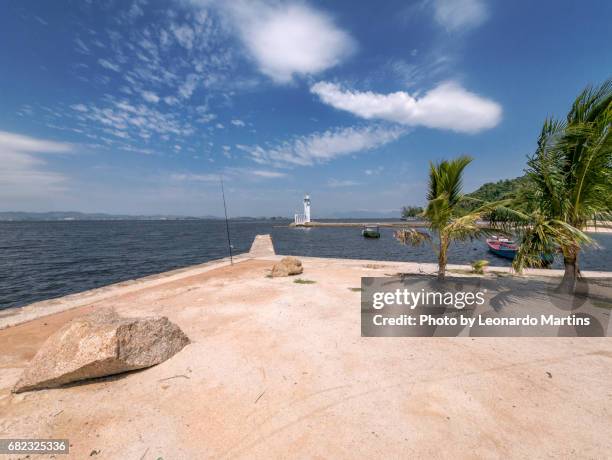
{"points": [[279, 370]]}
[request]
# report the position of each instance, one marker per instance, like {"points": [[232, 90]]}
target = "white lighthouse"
{"points": [[307, 208], [303, 219]]}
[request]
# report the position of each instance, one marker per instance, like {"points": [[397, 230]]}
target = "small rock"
{"points": [[101, 344], [287, 266]]}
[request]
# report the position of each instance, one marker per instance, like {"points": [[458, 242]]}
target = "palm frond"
{"points": [[411, 236], [545, 237]]}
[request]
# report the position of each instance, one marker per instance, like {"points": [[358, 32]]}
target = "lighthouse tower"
{"points": [[307, 208], [303, 219]]}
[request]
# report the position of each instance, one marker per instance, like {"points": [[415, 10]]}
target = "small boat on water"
{"points": [[370, 231], [502, 247], [507, 248]]}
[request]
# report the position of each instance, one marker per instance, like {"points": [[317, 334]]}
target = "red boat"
{"points": [[502, 247]]}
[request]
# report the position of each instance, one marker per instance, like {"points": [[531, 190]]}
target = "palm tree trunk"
{"points": [[442, 259], [572, 271]]}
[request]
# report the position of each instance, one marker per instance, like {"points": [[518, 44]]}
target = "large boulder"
{"points": [[287, 266], [100, 344]]}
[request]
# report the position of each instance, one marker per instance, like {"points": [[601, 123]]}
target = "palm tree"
{"points": [[570, 184], [444, 213]]}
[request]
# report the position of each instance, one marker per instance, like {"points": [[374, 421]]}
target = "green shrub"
{"points": [[303, 281], [478, 266]]}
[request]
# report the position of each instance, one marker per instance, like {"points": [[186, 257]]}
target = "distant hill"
{"points": [[73, 215], [495, 191], [70, 215]]}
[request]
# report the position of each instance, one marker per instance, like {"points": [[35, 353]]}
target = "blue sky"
{"points": [[137, 106]]}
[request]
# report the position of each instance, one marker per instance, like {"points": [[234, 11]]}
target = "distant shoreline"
{"points": [[602, 228]]}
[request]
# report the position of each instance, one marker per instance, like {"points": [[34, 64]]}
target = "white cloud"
{"points": [[188, 87], [287, 39], [150, 96], [447, 106], [136, 10], [232, 173], [322, 147], [252, 174], [195, 177], [81, 46], [375, 171], [18, 143], [238, 123], [184, 35], [79, 107], [126, 121], [109, 65], [336, 183], [268, 174], [23, 172], [206, 117], [457, 15]]}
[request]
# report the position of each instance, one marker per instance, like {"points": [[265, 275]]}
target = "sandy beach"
{"points": [[278, 369]]}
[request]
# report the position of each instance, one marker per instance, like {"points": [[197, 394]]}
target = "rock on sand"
{"points": [[100, 344], [287, 266]]}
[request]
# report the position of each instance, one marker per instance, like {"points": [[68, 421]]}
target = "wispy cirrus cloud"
{"points": [[150, 96], [457, 15], [232, 172], [339, 183], [267, 174], [109, 65], [190, 177], [24, 170], [447, 106], [324, 146], [12, 142]]}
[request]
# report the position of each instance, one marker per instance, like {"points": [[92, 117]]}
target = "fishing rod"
{"points": [[229, 241]]}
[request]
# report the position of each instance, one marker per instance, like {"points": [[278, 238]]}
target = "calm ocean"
{"points": [[43, 260]]}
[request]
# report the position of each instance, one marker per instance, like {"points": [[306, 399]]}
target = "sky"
{"points": [[139, 106]]}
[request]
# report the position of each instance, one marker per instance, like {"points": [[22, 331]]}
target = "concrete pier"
{"points": [[262, 246]]}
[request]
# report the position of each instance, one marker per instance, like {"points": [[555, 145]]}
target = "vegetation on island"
{"points": [[500, 190], [488, 192], [495, 191], [411, 211]]}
